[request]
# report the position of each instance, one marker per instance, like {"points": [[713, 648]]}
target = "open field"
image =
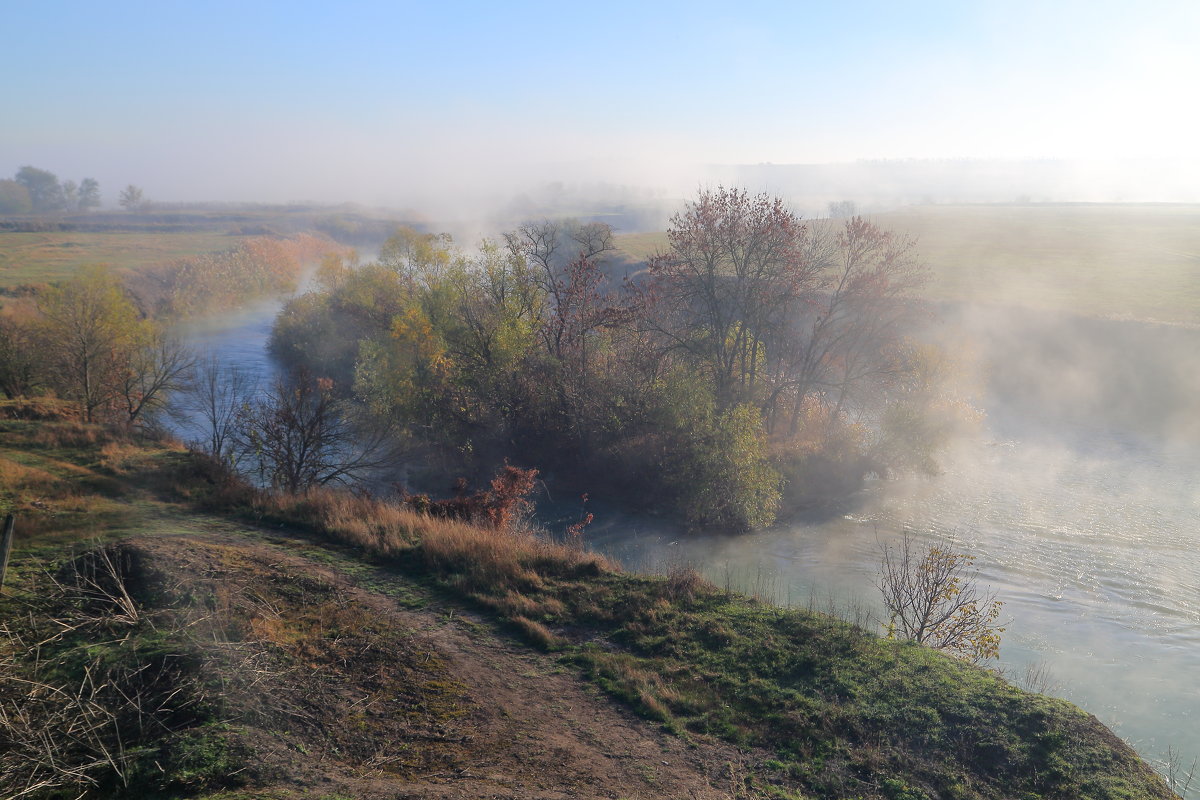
{"points": [[50, 256], [1118, 261], [45, 249]]}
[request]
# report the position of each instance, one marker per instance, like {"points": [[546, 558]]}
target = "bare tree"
{"points": [[20, 363], [562, 261], [933, 600], [302, 436], [1179, 775], [155, 369], [220, 396]]}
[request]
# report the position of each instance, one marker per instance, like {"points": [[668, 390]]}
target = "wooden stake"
{"points": [[6, 545]]}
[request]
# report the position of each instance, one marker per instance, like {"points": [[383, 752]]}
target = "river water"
{"points": [[1079, 498]]}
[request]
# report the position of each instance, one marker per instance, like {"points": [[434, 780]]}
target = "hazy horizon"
{"points": [[404, 105]]}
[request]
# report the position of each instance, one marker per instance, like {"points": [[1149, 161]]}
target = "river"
{"points": [[1079, 499]]}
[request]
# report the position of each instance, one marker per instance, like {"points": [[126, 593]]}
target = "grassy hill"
{"points": [[331, 645], [1123, 261]]}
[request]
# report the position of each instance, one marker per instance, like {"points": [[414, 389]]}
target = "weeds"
{"points": [[87, 681]]}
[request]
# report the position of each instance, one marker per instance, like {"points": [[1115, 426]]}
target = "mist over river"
{"points": [[1079, 498]]}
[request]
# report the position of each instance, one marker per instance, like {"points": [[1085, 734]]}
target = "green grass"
{"points": [[48, 257], [1124, 261]]}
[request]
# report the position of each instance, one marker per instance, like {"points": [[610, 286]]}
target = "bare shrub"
{"points": [[933, 600], [1037, 678], [1178, 773], [301, 435]]}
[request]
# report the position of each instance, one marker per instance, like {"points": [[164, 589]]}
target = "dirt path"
{"points": [[531, 729]]}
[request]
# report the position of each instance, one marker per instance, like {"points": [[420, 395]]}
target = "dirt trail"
{"points": [[531, 727]]}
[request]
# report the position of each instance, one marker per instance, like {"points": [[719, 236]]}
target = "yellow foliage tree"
{"points": [[933, 600]]}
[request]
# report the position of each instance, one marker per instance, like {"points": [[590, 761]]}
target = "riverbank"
{"points": [[814, 706]]}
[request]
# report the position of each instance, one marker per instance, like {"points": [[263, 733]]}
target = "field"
{"points": [[35, 250], [46, 257], [1114, 261]]}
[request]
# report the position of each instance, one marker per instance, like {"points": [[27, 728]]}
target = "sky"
{"points": [[382, 101]]}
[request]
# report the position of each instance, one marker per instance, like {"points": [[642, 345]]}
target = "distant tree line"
{"points": [[38, 191], [759, 362]]}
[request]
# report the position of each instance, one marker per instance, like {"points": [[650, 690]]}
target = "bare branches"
{"points": [[302, 436], [933, 600], [158, 367], [1179, 777], [220, 395]]}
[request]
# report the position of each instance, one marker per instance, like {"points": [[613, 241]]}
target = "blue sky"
{"points": [[355, 100]]}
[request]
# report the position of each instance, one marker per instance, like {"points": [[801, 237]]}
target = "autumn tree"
{"points": [[90, 328], [101, 352], [415, 255], [736, 266], [933, 599], [677, 386]]}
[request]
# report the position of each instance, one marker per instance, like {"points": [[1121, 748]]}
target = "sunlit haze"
{"points": [[400, 103]]}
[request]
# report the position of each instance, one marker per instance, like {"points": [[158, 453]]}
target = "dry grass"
{"points": [[492, 566], [62, 478], [684, 582], [38, 409], [72, 436], [74, 712], [16, 477], [514, 604], [39, 498], [380, 528], [538, 634]]}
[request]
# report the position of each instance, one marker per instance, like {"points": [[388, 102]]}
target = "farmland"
{"points": [[1113, 261]]}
